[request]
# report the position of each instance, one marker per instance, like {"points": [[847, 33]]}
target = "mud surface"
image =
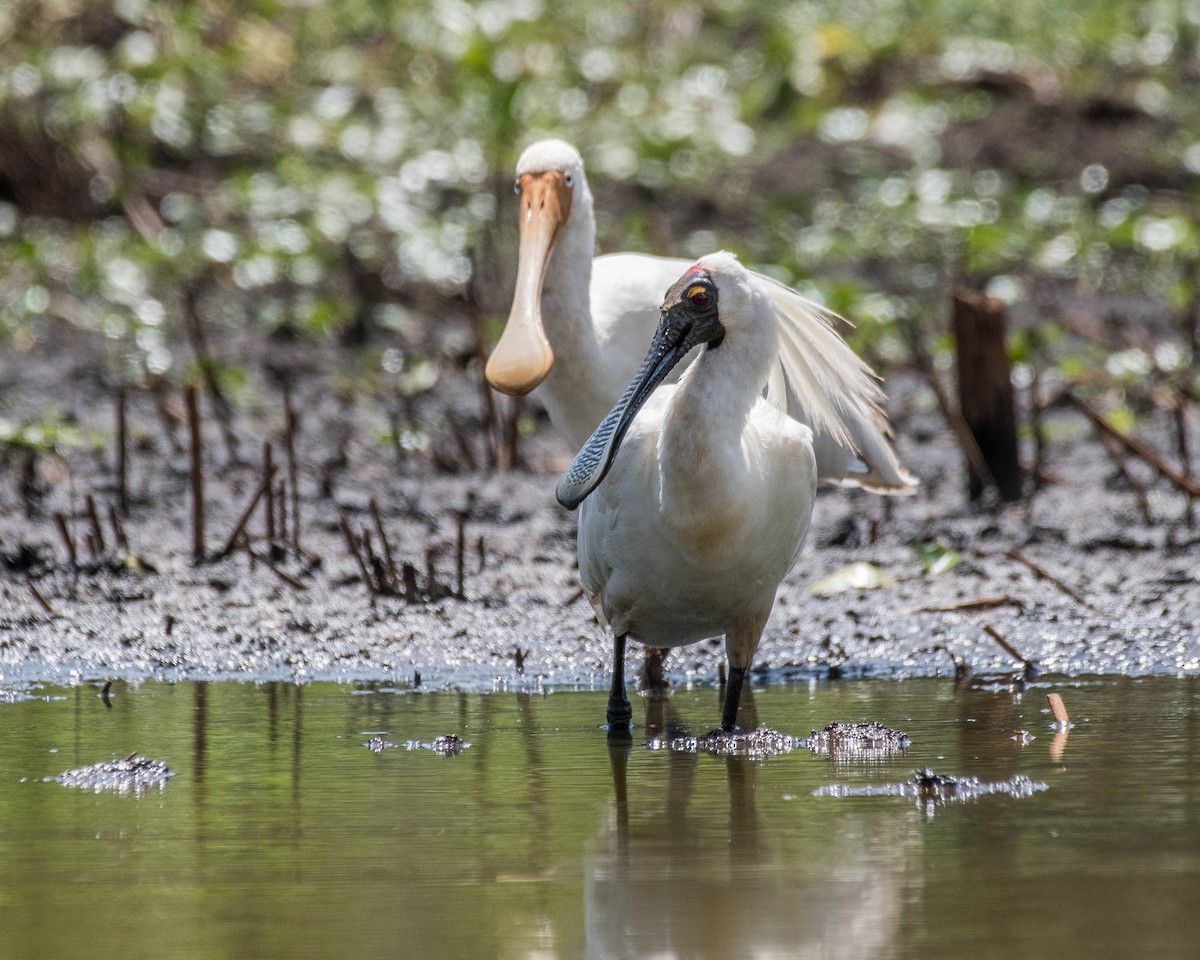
{"points": [[929, 790], [132, 776], [757, 744], [521, 621], [872, 741]]}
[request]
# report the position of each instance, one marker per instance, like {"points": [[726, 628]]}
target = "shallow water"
{"points": [[281, 834]]}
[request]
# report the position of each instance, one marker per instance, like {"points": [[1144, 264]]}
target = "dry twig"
{"points": [[977, 603], [1037, 568], [232, 540], [40, 598], [1134, 446], [1059, 709]]}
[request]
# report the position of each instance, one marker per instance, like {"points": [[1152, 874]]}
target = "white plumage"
{"points": [[578, 325], [695, 508]]}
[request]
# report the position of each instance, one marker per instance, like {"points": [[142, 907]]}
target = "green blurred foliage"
{"points": [[936, 558], [314, 163]]}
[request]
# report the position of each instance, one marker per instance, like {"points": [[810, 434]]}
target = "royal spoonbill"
{"points": [[696, 496], [577, 327]]}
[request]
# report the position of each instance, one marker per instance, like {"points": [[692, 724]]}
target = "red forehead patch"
{"points": [[694, 268]]}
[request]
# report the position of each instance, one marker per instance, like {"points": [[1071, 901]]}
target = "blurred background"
{"points": [[342, 170]]}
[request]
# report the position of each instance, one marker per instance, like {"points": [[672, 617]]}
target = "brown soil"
{"points": [[521, 620]]}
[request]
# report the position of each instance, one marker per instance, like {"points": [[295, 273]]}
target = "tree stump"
{"points": [[985, 391]]}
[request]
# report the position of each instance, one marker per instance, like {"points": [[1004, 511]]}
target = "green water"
{"points": [[282, 835]]}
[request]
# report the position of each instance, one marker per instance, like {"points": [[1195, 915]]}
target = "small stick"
{"points": [[394, 432], [282, 525], [197, 465], [1037, 425], [481, 550], [352, 546], [118, 529], [507, 417], [270, 564], [122, 455], [1045, 574], [431, 573], [104, 693], [194, 327], [489, 419], [165, 417], [40, 598], [64, 531], [459, 549], [958, 424], [978, 603], [950, 411], [410, 583], [1059, 709], [1029, 666], [1179, 412], [290, 426], [385, 545], [1139, 491], [232, 540], [269, 490], [464, 443], [97, 530], [379, 573], [1187, 484]]}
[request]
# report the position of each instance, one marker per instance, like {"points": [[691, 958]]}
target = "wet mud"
{"points": [[870, 741], [757, 744], [929, 790], [483, 593], [446, 745], [133, 776]]}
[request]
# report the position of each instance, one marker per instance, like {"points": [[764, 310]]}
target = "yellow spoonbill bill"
{"points": [[577, 325], [696, 496]]}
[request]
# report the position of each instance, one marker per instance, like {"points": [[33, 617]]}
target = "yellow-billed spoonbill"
{"points": [[696, 496], [579, 324]]}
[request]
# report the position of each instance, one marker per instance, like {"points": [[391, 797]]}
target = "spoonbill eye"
{"points": [[569, 180], [699, 297]]}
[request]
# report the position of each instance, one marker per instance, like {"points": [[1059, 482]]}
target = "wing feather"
{"points": [[820, 381]]}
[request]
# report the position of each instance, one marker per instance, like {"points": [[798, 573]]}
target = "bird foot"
{"points": [[620, 715]]}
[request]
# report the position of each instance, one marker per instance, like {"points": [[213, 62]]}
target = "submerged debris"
{"points": [[867, 740], [757, 744], [447, 745], [928, 789], [378, 744], [1023, 737], [133, 775], [21, 694], [1061, 720]]}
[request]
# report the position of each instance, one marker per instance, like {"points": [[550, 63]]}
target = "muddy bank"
{"points": [[520, 620]]}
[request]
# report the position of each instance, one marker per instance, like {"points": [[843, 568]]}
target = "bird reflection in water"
{"points": [[666, 878]]}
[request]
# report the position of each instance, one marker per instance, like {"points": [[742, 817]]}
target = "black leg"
{"points": [[733, 693], [620, 713]]}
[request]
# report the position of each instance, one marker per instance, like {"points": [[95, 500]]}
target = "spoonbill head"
{"points": [[555, 204], [696, 497], [579, 323]]}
